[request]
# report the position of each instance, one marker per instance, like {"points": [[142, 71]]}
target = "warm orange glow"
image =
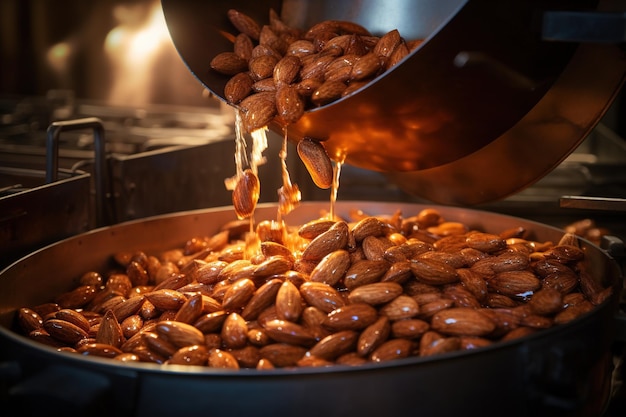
{"points": [[133, 46]]}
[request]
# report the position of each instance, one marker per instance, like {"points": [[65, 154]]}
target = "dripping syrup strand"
{"points": [[335, 185], [289, 194]]}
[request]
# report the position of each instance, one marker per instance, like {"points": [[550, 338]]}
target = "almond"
{"points": [[485, 242], [273, 265], [258, 110], [351, 317], [462, 321], [286, 70], [244, 23], [335, 345], [238, 87], [328, 92], [366, 67], [409, 328], [210, 322], [179, 334], [301, 48], [335, 238], [243, 46], [401, 307], [234, 331], [322, 296], [331, 269], [515, 283], [228, 63], [29, 320], [392, 349], [368, 226], [219, 358], [317, 162], [376, 293], [399, 272], [387, 43], [364, 272], [315, 228], [289, 104], [166, 299], [246, 194], [373, 336], [63, 331], [197, 355], [282, 354], [110, 331], [78, 297], [284, 331], [546, 301], [433, 272], [99, 349], [262, 67], [289, 302], [73, 317]]}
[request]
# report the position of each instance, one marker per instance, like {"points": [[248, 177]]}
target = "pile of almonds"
{"points": [[277, 72], [332, 291]]}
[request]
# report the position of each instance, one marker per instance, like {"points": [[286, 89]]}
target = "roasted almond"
{"points": [[166, 299], [434, 272], [238, 87], [289, 104], [322, 296], [462, 321], [219, 358], [289, 302], [179, 334], [258, 110], [328, 92], [335, 345], [351, 317], [284, 331], [238, 294], [282, 354], [317, 162], [376, 293], [367, 66], [515, 283], [190, 355], [392, 349], [110, 331], [335, 238], [373, 336], [331, 269], [63, 331], [234, 331], [287, 69], [364, 272], [401, 307], [244, 23], [228, 63], [246, 194]]}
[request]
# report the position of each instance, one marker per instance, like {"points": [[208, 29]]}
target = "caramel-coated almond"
{"points": [[376, 293], [317, 162], [462, 321]]}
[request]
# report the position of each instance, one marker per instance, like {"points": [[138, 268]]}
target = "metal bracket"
{"points": [[52, 159]]}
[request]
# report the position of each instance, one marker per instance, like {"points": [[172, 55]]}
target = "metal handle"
{"points": [[52, 158], [593, 203]]}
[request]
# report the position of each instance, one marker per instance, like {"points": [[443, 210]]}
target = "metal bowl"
{"points": [[564, 370]]}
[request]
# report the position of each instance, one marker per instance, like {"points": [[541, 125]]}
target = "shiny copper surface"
{"points": [[536, 144]]}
